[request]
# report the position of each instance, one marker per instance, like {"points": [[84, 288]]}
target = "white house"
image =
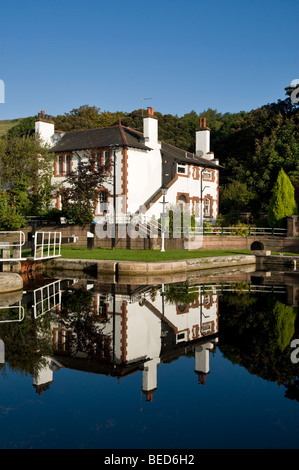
{"points": [[143, 166]]}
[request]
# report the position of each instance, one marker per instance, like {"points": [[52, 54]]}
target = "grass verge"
{"points": [[120, 254]]}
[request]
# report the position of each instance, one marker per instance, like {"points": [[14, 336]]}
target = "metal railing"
{"points": [[11, 243], [20, 312], [46, 298], [47, 245], [245, 230]]}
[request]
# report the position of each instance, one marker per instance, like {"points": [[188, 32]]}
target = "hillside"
{"points": [[8, 124]]}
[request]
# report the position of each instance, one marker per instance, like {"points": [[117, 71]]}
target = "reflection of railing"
{"points": [[253, 288], [11, 243], [47, 245], [20, 312], [46, 298]]}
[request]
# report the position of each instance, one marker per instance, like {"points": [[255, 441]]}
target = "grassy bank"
{"points": [[143, 255]]}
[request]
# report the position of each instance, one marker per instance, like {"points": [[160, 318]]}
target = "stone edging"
{"points": [[135, 268], [10, 282]]}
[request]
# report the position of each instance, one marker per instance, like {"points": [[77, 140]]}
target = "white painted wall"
{"points": [[45, 130], [144, 176], [191, 187]]}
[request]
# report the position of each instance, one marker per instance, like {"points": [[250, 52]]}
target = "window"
{"points": [[64, 165], [181, 337], [207, 174], [181, 169], [102, 202], [68, 164], [60, 165], [107, 158], [207, 208], [99, 161]]}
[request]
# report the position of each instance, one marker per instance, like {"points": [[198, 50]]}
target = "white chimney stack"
{"points": [[44, 127], [202, 141], [150, 128]]}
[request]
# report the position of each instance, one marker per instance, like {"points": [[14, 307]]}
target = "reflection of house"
{"points": [[140, 331], [143, 164]]}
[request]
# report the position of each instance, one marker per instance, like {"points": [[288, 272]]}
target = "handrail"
{"points": [[21, 313], [6, 245]]}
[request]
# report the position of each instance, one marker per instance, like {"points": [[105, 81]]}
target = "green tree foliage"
{"points": [[235, 198], [282, 203], [86, 117], [80, 193], [26, 168], [284, 323], [10, 218], [24, 127], [256, 332]]}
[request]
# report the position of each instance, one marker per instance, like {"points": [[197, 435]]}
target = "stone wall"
{"points": [[207, 242]]}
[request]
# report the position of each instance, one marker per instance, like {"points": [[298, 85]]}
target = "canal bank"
{"points": [[136, 268]]}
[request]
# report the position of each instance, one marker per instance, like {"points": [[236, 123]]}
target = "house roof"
{"points": [[119, 136], [178, 155], [116, 136]]}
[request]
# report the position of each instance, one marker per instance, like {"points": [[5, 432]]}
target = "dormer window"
{"points": [[182, 169]]}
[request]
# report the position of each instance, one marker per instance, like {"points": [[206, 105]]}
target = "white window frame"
{"points": [[182, 167], [209, 206], [207, 175], [102, 200]]}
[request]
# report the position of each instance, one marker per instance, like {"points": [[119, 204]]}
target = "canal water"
{"points": [[200, 363]]}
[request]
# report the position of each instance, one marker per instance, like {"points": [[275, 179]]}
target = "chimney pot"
{"points": [[150, 111]]}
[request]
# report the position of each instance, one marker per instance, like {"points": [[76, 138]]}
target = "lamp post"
{"points": [[164, 192]]}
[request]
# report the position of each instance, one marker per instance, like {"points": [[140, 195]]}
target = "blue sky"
{"points": [[183, 54]]}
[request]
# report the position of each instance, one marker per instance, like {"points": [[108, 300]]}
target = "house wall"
{"points": [[144, 176], [189, 186]]}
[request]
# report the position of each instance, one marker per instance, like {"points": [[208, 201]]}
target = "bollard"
{"points": [[90, 241]]}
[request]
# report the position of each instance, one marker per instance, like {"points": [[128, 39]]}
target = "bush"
{"points": [[282, 203], [10, 219]]}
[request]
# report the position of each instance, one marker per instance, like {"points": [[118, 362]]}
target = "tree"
{"points": [[10, 218], [26, 168], [282, 203], [80, 190]]}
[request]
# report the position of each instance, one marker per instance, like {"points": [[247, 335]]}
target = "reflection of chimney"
{"points": [[2, 352], [150, 128], [202, 363], [149, 378]]}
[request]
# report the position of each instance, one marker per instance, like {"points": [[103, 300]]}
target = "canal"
{"points": [[205, 362]]}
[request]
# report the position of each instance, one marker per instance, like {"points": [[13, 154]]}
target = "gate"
{"points": [[47, 245]]}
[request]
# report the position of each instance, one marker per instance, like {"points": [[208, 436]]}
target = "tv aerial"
{"points": [[144, 99]]}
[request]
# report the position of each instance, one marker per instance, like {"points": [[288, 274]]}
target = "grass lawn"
{"points": [[143, 255]]}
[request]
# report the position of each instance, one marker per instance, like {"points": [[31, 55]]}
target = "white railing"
{"points": [[245, 230], [46, 298], [47, 245], [14, 240], [252, 288], [19, 309]]}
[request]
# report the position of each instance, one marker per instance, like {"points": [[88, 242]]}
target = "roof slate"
{"points": [[116, 136], [119, 136], [181, 156]]}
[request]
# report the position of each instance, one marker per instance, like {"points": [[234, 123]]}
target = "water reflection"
{"points": [[119, 329]]}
